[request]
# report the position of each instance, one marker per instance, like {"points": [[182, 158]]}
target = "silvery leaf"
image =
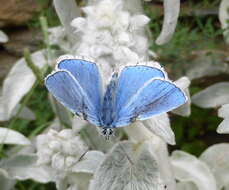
{"points": [[89, 162], [224, 17], [9, 136], [25, 113], [186, 186], [171, 14], [133, 6], [207, 65], [188, 168], [160, 150], [58, 36], [216, 157], [92, 136], [160, 125], [127, 166], [3, 37], [6, 183], [80, 179], [55, 33], [138, 133], [73, 187], [63, 114], [19, 81], [184, 110], [75, 181], [213, 96], [224, 111], [67, 10], [78, 124], [24, 167], [224, 125]]}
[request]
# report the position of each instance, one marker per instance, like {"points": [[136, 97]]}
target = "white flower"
{"points": [[60, 150], [111, 34], [58, 36]]}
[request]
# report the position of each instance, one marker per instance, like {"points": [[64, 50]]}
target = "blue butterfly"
{"points": [[136, 93]]}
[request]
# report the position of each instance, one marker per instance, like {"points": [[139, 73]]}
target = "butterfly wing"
{"points": [[153, 97], [87, 74], [132, 78], [68, 91]]}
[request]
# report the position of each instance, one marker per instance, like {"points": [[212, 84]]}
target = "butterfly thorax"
{"points": [[108, 107]]}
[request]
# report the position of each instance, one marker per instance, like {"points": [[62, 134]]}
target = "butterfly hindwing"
{"points": [[67, 90], [87, 74]]}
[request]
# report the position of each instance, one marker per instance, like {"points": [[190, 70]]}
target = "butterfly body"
{"points": [[136, 93]]}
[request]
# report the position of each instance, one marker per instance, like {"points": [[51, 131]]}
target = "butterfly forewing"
{"points": [[81, 93], [131, 79], [87, 74]]}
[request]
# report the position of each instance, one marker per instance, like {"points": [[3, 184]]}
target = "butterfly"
{"points": [[137, 92]]}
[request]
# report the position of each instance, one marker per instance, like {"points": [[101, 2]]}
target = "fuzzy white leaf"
{"points": [[79, 23], [133, 6], [160, 125], [80, 179], [160, 149], [224, 125], [127, 166], [138, 21], [186, 186], [67, 11], [94, 139], [25, 113], [3, 37], [184, 110], [213, 96], [9, 136], [6, 183], [76, 181], [138, 133], [19, 81], [63, 114], [224, 17], [78, 124], [89, 163], [24, 167], [224, 111], [188, 168], [171, 14], [216, 157], [203, 66]]}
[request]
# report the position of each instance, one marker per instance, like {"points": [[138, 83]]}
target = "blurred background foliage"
{"points": [[198, 39]]}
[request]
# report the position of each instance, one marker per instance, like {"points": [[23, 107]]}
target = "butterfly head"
{"points": [[107, 132]]}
